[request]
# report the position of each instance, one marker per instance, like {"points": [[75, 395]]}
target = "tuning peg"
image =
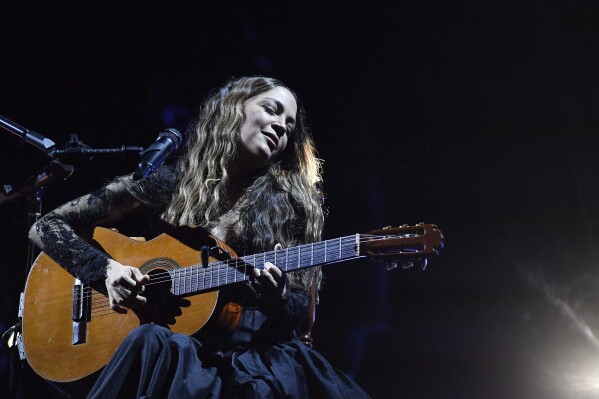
{"points": [[386, 227], [420, 224], [406, 264], [405, 225]]}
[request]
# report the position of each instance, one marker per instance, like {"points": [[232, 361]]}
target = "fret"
{"points": [[192, 283], [340, 248], [223, 273], [182, 281], [171, 275], [331, 253], [198, 271], [198, 278], [235, 268], [293, 253], [270, 257], [188, 280], [179, 281], [185, 289]]}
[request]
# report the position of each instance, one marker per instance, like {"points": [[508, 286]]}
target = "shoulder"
{"points": [[156, 189]]}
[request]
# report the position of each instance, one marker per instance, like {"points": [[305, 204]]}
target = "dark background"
{"points": [[480, 117]]}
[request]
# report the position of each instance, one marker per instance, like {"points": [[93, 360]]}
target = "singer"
{"points": [[250, 177]]}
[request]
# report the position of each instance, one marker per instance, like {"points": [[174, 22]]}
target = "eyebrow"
{"points": [[280, 105]]}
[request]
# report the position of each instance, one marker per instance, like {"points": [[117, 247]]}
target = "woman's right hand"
{"points": [[124, 285]]}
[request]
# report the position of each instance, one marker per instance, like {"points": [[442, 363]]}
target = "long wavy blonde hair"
{"points": [[281, 204]]}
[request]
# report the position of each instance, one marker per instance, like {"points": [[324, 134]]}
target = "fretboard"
{"points": [[194, 279]]}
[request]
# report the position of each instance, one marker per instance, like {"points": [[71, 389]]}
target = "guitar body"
{"points": [[47, 322]]}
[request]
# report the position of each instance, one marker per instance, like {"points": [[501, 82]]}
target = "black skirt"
{"points": [[153, 362]]}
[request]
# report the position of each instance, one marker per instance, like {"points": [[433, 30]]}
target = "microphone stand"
{"points": [[55, 171]]}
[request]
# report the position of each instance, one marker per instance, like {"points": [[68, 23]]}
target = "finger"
{"points": [[115, 305], [256, 272], [278, 247], [267, 278], [278, 276], [127, 279], [127, 299], [119, 309], [139, 277], [139, 288], [141, 300], [275, 271]]}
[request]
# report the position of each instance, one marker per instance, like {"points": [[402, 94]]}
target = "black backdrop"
{"points": [[477, 116]]}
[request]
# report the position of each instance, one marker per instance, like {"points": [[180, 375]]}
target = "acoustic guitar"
{"points": [[69, 330]]}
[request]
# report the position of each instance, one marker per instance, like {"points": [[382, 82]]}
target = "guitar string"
{"points": [[220, 267], [102, 307], [105, 309], [217, 268], [162, 277], [100, 300]]}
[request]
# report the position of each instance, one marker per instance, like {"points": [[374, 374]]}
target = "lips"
{"points": [[272, 140]]}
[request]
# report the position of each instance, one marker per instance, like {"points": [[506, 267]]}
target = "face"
{"points": [[269, 119]]}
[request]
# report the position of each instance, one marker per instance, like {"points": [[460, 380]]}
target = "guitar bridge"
{"points": [[81, 312]]}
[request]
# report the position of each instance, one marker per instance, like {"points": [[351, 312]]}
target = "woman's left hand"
{"points": [[270, 284]]}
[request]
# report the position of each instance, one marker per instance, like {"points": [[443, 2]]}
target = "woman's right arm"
{"points": [[57, 235]]}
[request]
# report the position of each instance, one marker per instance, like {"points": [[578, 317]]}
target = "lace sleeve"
{"points": [[59, 233]]}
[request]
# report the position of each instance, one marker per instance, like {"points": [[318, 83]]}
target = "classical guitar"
{"points": [[70, 331]]}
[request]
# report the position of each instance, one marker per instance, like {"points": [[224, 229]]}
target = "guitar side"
{"points": [[48, 302]]}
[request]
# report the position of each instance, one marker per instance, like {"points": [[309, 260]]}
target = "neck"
{"points": [[240, 178]]}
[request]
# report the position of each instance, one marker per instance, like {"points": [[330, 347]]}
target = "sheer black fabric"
{"points": [[59, 233]]}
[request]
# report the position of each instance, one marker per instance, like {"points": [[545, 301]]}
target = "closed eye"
{"points": [[270, 110]]}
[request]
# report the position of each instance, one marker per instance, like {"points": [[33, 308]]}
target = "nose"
{"points": [[279, 129]]}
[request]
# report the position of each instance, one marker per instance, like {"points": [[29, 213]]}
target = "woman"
{"points": [[249, 177]]}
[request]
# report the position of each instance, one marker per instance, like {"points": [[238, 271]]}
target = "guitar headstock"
{"points": [[404, 243]]}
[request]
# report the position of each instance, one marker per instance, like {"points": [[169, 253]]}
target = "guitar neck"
{"points": [[195, 279]]}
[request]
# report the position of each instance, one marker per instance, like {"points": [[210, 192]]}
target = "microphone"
{"points": [[169, 140]]}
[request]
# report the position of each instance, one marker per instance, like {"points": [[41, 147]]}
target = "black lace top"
{"points": [[61, 232], [64, 233]]}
